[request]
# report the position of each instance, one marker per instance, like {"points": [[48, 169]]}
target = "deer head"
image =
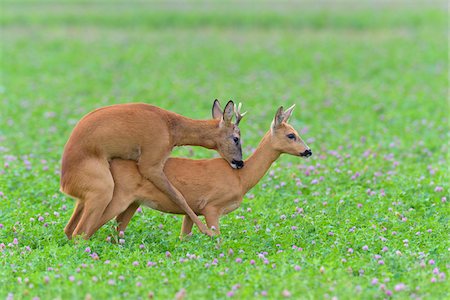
{"points": [[284, 137], [228, 139]]}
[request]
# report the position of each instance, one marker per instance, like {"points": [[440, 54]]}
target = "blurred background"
{"points": [[353, 68]]}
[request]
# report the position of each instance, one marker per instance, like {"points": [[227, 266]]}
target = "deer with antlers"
{"points": [[145, 134], [211, 188]]}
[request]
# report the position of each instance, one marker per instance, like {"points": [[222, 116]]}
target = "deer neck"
{"points": [[189, 132], [258, 163]]}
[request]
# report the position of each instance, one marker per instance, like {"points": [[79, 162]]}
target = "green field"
{"points": [[366, 217]]}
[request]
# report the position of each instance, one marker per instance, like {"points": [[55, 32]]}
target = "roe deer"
{"points": [[211, 188], [143, 133]]}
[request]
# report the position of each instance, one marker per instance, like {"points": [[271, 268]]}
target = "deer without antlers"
{"points": [[145, 134], [211, 188]]}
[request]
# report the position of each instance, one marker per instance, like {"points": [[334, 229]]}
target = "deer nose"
{"points": [[238, 163], [307, 153]]}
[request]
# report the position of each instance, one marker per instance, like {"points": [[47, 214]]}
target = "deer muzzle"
{"points": [[307, 153], [237, 164]]}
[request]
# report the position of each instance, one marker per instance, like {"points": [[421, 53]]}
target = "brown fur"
{"points": [[211, 188], [142, 133]]}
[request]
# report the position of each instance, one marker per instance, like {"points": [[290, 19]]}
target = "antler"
{"points": [[237, 112]]}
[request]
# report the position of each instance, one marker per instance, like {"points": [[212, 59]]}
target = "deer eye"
{"points": [[236, 140], [291, 136]]}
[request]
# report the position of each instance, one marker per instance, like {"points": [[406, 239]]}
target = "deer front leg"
{"points": [[212, 219], [124, 218], [155, 174], [163, 184], [186, 228]]}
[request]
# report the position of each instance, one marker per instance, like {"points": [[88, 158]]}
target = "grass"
{"points": [[366, 217]]}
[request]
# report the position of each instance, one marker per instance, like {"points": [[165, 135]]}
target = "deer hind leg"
{"points": [[124, 218], [73, 222], [118, 205], [99, 185]]}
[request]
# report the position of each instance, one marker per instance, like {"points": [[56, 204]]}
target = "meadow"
{"points": [[366, 217]]}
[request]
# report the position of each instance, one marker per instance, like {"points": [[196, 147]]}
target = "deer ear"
{"points": [[278, 118], [228, 113], [288, 113], [217, 110]]}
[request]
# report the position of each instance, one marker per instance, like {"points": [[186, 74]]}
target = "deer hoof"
{"points": [[209, 232]]}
